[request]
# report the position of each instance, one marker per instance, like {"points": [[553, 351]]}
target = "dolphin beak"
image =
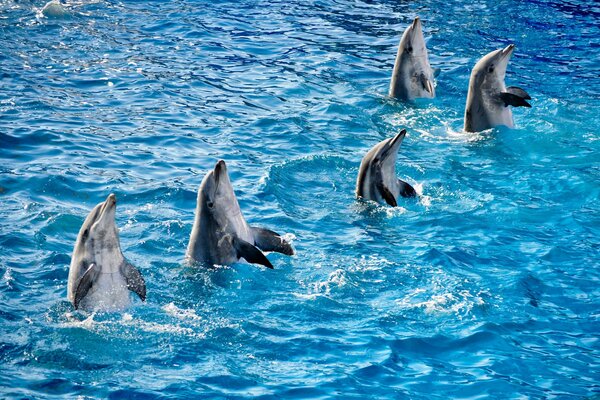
{"points": [[111, 201], [416, 23], [108, 208], [220, 167], [398, 137], [507, 51], [393, 143]]}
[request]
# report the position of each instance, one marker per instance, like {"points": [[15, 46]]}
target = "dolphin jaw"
{"points": [[392, 144], [508, 50], [219, 173], [504, 56], [220, 166], [107, 212], [416, 23], [398, 138]]}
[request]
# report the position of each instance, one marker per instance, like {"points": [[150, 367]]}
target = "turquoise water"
{"points": [[487, 287]]}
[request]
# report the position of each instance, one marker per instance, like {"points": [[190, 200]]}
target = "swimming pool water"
{"points": [[487, 287]]}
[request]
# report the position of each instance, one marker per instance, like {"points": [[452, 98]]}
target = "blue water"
{"points": [[487, 287]]}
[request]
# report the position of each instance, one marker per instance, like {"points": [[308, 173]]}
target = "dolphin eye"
{"points": [[85, 234], [491, 69], [409, 49], [210, 204]]}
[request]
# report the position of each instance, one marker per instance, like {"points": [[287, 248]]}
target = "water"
{"points": [[486, 288]]}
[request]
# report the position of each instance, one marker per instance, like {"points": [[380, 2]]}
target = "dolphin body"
{"points": [[377, 179], [412, 76], [488, 98], [221, 235], [54, 9], [99, 276]]}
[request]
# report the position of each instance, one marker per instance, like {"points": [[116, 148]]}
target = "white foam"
{"points": [[8, 278], [393, 211], [460, 303], [181, 313], [288, 237]]}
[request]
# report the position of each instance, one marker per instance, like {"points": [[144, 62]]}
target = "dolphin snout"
{"points": [[507, 51], [416, 22], [398, 137], [220, 166], [112, 199]]}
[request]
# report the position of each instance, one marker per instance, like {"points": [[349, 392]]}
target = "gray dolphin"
{"points": [[220, 234], [377, 174], [54, 9], [99, 276], [412, 77], [488, 98]]}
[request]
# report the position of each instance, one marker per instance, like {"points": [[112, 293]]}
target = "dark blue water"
{"points": [[488, 287]]}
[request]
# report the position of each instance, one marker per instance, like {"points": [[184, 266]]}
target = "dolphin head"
{"points": [[489, 72], [379, 165], [412, 76], [216, 196], [99, 233], [386, 155], [412, 43]]}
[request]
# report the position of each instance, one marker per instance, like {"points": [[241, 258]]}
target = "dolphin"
{"points": [[412, 77], [488, 98], [99, 276], [377, 174], [54, 9], [221, 235]]}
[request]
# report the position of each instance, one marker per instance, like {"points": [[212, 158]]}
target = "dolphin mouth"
{"points": [[396, 140], [108, 208], [220, 167], [416, 23], [507, 51], [110, 202], [398, 137]]}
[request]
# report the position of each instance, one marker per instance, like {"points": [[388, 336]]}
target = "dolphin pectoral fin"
{"points": [[267, 240], [406, 190], [85, 283], [515, 96], [135, 281], [387, 195], [517, 91], [250, 253], [426, 83]]}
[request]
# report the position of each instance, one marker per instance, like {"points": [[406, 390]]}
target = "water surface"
{"points": [[488, 287]]}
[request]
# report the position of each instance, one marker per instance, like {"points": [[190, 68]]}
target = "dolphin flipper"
{"points": [[517, 91], [515, 96], [135, 281], [85, 283], [387, 195], [426, 83], [406, 190], [267, 240], [250, 253]]}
